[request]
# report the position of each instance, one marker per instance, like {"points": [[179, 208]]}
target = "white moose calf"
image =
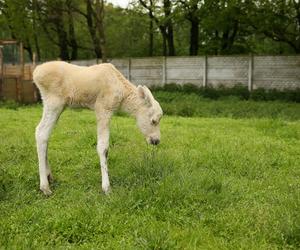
{"points": [[101, 88]]}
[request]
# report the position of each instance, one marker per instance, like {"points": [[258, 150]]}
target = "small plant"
{"points": [[190, 88], [172, 87], [9, 104], [258, 94]]}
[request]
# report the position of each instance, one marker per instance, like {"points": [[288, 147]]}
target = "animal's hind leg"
{"points": [[51, 113]]}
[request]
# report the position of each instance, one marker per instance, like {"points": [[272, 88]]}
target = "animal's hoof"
{"points": [[46, 191], [106, 190]]}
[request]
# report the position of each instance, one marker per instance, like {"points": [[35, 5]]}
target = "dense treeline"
{"points": [[82, 29]]}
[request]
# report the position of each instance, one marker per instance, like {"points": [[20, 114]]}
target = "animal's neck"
{"points": [[131, 102]]}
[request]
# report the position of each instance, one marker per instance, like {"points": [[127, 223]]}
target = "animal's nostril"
{"points": [[155, 141]]}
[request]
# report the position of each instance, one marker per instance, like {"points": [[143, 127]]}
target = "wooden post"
{"points": [[164, 70], [35, 90], [250, 73], [34, 59], [18, 88], [20, 77], [205, 72], [129, 69]]}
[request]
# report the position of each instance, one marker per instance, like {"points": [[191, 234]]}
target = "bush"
{"points": [[211, 93], [240, 91], [190, 88], [10, 104], [172, 87], [258, 94]]}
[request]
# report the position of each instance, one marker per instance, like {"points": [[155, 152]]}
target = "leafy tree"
{"points": [[223, 29], [278, 20], [76, 29], [161, 13], [192, 12]]}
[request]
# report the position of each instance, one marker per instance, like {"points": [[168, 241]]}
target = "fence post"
{"points": [[35, 90], [129, 69], [164, 70], [205, 72], [250, 73], [21, 76]]}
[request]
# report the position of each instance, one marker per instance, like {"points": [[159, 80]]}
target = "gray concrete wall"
{"points": [[280, 72], [268, 72]]}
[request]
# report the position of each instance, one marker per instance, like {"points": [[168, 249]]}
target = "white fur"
{"points": [[100, 87]]}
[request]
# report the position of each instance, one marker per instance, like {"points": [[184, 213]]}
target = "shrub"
{"points": [[258, 94], [240, 91], [292, 95], [10, 104], [172, 87], [190, 88], [211, 93]]}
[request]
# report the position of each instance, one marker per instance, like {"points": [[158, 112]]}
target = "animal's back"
{"points": [[77, 84], [51, 75]]}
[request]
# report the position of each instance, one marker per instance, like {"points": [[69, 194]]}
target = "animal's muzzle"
{"points": [[154, 141]]}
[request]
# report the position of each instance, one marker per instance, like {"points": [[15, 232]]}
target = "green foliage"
{"points": [[261, 94], [9, 104], [224, 27], [239, 91], [195, 104], [213, 183]]}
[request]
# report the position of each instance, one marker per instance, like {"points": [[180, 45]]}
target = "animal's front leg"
{"points": [[43, 131], [102, 148]]}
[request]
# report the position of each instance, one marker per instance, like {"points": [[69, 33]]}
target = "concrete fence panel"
{"points": [[227, 71], [183, 70], [148, 71], [122, 65], [84, 62], [279, 72]]}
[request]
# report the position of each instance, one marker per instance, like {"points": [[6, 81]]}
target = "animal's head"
{"points": [[149, 115]]}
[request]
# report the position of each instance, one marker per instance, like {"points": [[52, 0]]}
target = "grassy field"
{"points": [[215, 182]]}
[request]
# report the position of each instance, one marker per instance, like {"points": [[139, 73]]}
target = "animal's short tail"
{"points": [[37, 76]]}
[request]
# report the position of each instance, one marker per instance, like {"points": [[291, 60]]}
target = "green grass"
{"points": [[213, 183]]}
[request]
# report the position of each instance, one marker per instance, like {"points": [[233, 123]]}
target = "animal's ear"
{"points": [[141, 92], [145, 94]]}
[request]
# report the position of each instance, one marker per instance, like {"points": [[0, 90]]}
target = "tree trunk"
{"points": [[92, 30], [194, 37], [170, 40], [72, 36], [57, 20], [164, 39], [35, 9], [62, 40], [100, 27], [224, 41], [169, 28], [228, 38], [28, 48], [151, 44]]}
